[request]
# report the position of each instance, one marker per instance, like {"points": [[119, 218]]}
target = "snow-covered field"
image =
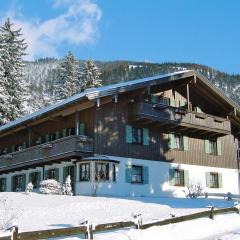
{"points": [[37, 211]]}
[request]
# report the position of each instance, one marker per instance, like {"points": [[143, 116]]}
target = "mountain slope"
{"points": [[41, 75]]}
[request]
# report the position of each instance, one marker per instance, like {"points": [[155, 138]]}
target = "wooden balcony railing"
{"points": [[179, 117], [58, 149]]}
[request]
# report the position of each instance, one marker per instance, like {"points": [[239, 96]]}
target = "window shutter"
{"points": [[172, 177], [38, 179], [145, 136], [186, 178], [64, 132], [64, 174], [128, 174], [220, 185], [154, 99], [13, 183], [57, 174], [183, 103], [185, 143], [145, 175], [24, 182], [207, 146], [75, 174], [5, 184], [128, 134], [30, 177], [57, 135], [219, 147], [82, 129], [47, 137], [198, 109], [208, 179], [172, 102], [46, 174], [24, 145], [171, 141]]}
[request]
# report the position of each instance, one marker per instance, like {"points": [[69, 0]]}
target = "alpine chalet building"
{"points": [[146, 137]]}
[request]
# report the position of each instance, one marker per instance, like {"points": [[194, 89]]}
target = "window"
{"points": [[114, 172], [34, 178], [18, 183], [3, 184], [101, 171], [213, 147], [52, 136], [178, 142], [84, 172], [51, 174], [164, 101], [179, 177], [213, 180], [137, 135], [137, 174]]}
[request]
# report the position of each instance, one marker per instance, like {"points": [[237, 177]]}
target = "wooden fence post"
{"points": [[15, 233], [211, 216]]}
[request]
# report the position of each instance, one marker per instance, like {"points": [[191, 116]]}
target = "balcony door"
{"points": [[70, 170]]}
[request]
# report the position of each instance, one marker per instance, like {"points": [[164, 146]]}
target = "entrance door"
{"points": [[70, 170], [19, 183]]}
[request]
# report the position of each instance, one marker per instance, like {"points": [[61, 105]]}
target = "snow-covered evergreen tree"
{"points": [[3, 97], [90, 76], [12, 50], [67, 186], [66, 84]]}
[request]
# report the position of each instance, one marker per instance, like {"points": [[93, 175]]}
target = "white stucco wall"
{"points": [[158, 179]]}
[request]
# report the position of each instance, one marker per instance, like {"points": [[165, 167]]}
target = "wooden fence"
{"points": [[89, 231]]}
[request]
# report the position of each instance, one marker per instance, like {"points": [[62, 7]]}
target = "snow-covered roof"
{"points": [[95, 93]]}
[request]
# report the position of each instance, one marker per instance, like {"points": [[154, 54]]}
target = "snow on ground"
{"points": [[38, 211], [223, 227]]}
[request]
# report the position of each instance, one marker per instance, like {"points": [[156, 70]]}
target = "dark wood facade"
{"points": [[105, 123]]}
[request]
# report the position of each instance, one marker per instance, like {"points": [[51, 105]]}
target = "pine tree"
{"points": [[66, 84], [90, 77], [12, 49], [3, 97]]}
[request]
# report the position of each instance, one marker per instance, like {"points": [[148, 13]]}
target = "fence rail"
{"points": [[86, 231]]}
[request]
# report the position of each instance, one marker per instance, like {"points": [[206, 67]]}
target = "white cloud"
{"points": [[77, 24]]}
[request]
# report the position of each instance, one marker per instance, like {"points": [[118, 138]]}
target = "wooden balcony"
{"points": [[172, 118], [72, 146]]}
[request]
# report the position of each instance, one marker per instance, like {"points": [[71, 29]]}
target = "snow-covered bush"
{"points": [[29, 188], [194, 190], [50, 186], [8, 215], [67, 188]]}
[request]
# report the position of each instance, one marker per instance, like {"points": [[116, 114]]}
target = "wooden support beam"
{"points": [[188, 101]]}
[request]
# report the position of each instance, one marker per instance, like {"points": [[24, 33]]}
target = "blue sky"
{"points": [[205, 31]]}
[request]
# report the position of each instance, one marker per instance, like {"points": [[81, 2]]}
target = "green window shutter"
{"points": [[185, 143], [171, 141], [24, 182], [145, 175], [30, 177], [219, 147], [75, 174], [13, 183], [145, 136], [64, 174], [172, 177], [82, 129], [47, 137], [46, 174], [24, 145], [183, 103], [207, 146], [5, 184], [128, 174], [172, 102], [128, 134], [64, 132], [186, 178], [57, 135], [220, 184], [208, 179], [57, 174], [38, 179], [154, 99]]}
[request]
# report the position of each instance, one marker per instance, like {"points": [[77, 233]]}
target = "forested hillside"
{"points": [[42, 76]]}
